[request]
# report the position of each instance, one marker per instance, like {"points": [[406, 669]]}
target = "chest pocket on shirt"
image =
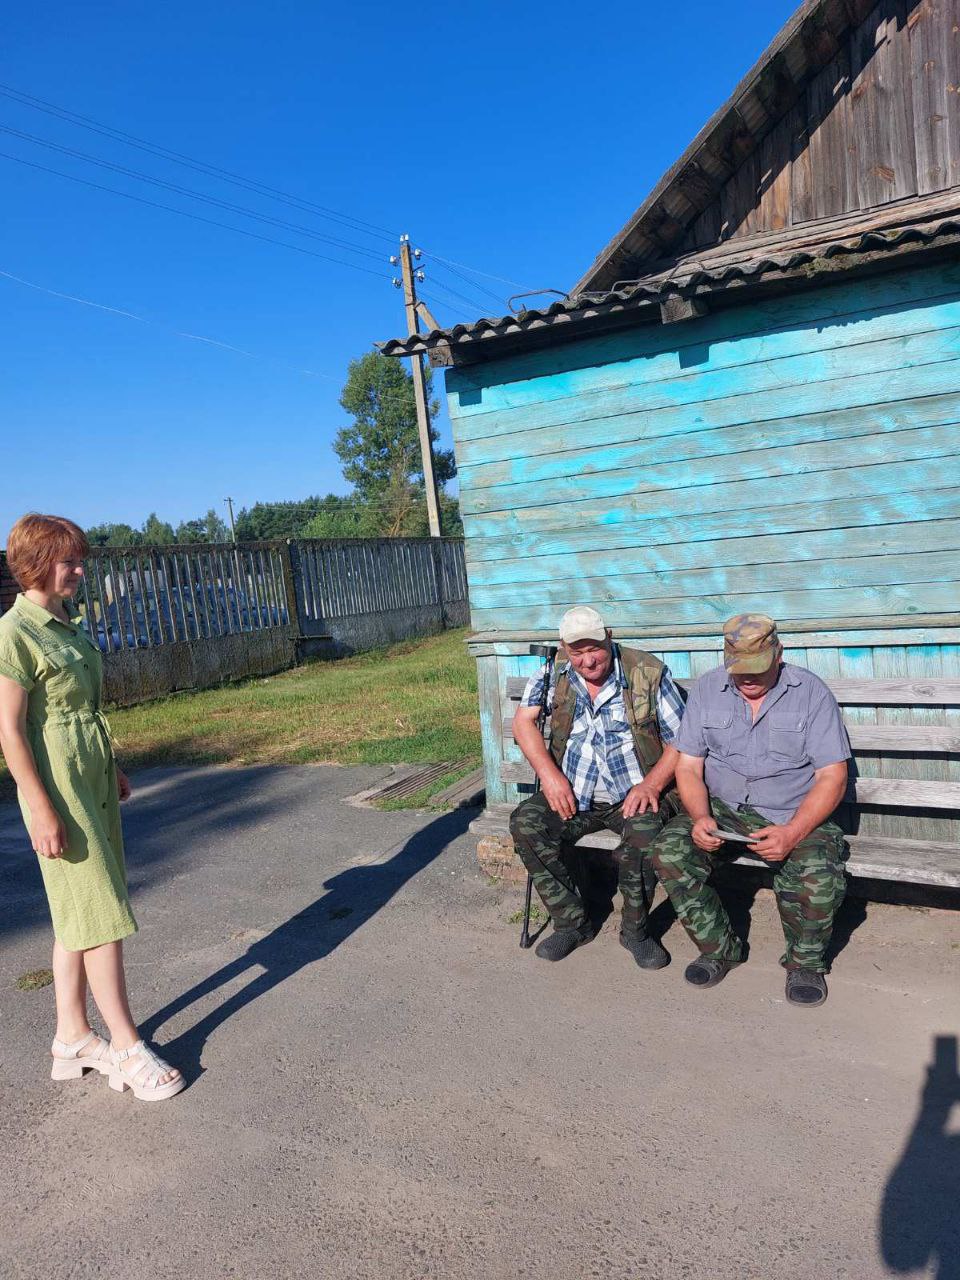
{"points": [[786, 735], [66, 665], [716, 725], [614, 719]]}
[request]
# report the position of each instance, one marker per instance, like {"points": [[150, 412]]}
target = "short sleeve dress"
{"points": [[61, 670]]}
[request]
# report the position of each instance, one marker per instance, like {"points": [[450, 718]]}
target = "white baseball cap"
{"points": [[581, 623]]}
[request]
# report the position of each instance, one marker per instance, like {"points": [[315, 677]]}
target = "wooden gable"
{"points": [[879, 124], [860, 128]]}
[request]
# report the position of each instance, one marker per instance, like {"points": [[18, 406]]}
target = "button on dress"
{"points": [[61, 670]]}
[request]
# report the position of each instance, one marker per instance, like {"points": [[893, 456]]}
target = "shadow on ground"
{"points": [[919, 1218], [168, 820], [353, 897]]}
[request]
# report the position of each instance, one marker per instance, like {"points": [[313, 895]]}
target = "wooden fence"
{"points": [[188, 617], [368, 577], [144, 597]]}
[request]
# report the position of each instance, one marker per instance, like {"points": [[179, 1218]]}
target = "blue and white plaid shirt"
{"points": [[600, 760]]}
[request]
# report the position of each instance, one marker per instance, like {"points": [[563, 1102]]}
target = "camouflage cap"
{"points": [[750, 643]]}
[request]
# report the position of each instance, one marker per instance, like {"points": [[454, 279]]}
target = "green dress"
{"points": [[61, 670]]}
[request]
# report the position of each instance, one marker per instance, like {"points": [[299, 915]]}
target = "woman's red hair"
{"points": [[36, 543]]}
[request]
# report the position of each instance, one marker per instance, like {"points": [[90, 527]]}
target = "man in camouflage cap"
{"points": [[763, 754], [609, 765]]}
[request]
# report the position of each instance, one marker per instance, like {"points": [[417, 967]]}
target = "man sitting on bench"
{"points": [[615, 713], [763, 754]]}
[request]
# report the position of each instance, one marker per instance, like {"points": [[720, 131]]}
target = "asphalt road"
{"points": [[383, 1086]]}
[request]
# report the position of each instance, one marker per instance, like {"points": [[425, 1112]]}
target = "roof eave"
{"points": [[668, 302]]}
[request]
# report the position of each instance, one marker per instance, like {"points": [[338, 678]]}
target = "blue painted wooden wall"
{"points": [[799, 455]]}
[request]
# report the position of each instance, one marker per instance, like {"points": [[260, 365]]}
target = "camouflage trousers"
{"points": [[809, 885], [539, 835]]}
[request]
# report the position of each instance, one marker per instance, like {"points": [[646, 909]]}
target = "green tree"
{"points": [[209, 528], [380, 450], [277, 519], [114, 535], [343, 517], [157, 532]]}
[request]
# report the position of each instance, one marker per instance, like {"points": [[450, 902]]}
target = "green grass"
{"points": [[412, 703], [537, 914], [35, 979]]}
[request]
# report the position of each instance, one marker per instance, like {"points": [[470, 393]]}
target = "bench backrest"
{"points": [[865, 739]]}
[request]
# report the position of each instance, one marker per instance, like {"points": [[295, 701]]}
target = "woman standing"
{"points": [[57, 746]]}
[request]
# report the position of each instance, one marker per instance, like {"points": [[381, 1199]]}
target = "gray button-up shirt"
{"points": [[767, 763]]}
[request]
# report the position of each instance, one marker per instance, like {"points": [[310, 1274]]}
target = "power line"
{"points": [[193, 195], [439, 284], [442, 302], [196, 217], [359, 225], [479, 288], [250, 184], [477, 272]]}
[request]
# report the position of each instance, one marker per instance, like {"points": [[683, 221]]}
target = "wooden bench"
{"points": [[877, 857]]}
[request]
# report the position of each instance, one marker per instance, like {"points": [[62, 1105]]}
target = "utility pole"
{"points": [[233, 527], [413, 308]]}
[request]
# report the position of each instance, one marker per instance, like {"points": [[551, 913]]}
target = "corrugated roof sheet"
{"points": [[690, 278]]}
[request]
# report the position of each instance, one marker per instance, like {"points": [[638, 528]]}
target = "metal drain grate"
{"points": [[409, 778]]}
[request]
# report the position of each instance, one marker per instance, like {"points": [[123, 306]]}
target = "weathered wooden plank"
{"points": [[719, 529], [865, 571], [881, 108], [809, 235], [491, 735], [822, 179], [798, 548], [923, 739], [930, 862], [901, 793], [850, 311], [739, 198], [907, 793], [942, 692], [571, 478], [904, 739], [819, 646], [636, 438], [659, 383], [855, 602], [851, 483], [776, 154], [923, 395], [934, 39]]}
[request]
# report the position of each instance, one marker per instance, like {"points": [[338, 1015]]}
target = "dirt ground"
{"points": [[384, 1086]]}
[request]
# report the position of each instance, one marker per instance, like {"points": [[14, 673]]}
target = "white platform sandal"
{"points": [[143, 1079], [68, 1064]]}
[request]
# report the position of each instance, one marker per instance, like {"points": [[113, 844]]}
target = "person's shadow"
{"points": [[353, 897], [919, 1217]]}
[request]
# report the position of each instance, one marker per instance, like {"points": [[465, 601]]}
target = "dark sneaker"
{"points": [[805, 988], [647, 951], [707, 971], [561, 942]]}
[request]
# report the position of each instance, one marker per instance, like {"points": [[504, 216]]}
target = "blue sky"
{"points": [[513, 139]]}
